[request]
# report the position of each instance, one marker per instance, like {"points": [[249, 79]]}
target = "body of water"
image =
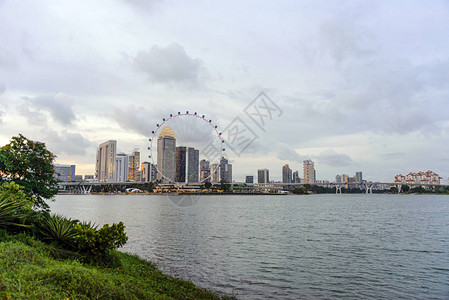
{"points": [[287, 247]]}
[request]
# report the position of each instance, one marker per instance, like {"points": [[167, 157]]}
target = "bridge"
{"points": [[86, 187]]}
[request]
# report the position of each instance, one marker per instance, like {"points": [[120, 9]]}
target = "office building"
{"points": [[228, 173], [64, 173], [358, 177], [180, 164], [89, 178], [215, 173], [134, 163], [204, 171], [121, 167], [166, 148], [225, 170], [296, 178], [149, 172], [78, 178], [193, 164], [287, 174], [249, 179], [309, 172], [105, 164], [338, 179], [263, 176]]}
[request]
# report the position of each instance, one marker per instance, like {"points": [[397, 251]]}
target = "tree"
{"points": [[207, 185], [30, 165]]}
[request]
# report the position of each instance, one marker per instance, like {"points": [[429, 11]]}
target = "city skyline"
{"points": [[362, 84]]}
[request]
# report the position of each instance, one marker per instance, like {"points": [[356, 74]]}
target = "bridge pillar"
{"points": [[369, 188], [337, 189]]}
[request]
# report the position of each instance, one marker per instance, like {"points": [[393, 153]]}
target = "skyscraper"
{"points": [[193, 164], [134, 162], [205, 170], [215, 173], [225, 170], [180, 164], [287, 174], [296, 178], [105, 165], [337, 179], [121, 167], [166, 147], [148, 172], [263, 176], [358, 177], [309, 172]]}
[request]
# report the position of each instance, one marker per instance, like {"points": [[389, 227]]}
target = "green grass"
{"points": [[30, 269]]}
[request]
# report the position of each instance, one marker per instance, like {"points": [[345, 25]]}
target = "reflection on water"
{"points": [[287, 247]]}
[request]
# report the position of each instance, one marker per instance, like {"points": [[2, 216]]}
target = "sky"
{"points": [[359, 85]]}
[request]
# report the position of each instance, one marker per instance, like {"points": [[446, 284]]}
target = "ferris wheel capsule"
{"points": [[187, 112], [163, 119]]}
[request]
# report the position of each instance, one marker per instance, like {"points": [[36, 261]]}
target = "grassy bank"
{"points": [[31, 269]]}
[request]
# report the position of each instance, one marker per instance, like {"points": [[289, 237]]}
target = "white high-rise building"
{"points": [[105, 165], [121, 167], [309, 172]]}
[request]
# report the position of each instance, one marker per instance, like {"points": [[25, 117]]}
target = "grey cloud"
{"points": [[140, 6], [67, 142], [2, 113], [2, 88], [59, 107], [286, 152], [331, 158], [33, 117], [342, 41], [167, 64], [137, 119]]}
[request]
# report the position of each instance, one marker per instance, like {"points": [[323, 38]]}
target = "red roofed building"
{"points": [[428, 177]]}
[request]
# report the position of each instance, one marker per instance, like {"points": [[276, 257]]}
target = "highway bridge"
{"points": [[86, 187]]}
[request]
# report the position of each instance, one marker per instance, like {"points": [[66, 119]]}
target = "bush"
{"points": [[57, 228], [100, 242], [15, 206]]}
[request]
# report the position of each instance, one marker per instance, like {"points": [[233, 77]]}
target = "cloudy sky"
{"points": [[363, 85]]}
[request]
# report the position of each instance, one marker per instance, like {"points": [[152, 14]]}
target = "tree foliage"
{"points": [[30, 165]]}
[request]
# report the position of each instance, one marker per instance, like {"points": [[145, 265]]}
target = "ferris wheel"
{"points": [[190, 131]]}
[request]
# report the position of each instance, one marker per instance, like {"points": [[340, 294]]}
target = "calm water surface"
{"points": [[288, 247]]}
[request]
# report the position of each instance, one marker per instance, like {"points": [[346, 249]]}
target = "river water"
{"points": [[287, 247]]}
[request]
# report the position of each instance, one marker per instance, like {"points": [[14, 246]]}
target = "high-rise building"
{"points": [[249, 179], [134, 163], [228, 173], [121, 167], [180, 164], [225, 170], [149, 172], [205, 170], [215, 173], [296, 178], [64, 173], [166, 147], [287, 174], [193, 164], [358, 177], [337, 179], [105, 165], [309, 172], [263, 176], [345, 178]]}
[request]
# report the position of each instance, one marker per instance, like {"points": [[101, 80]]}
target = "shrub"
{"points": [[100, 242], [15, 206], [57, 228]]}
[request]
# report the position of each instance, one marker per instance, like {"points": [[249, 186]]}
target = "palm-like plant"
{"points": [[57, 228], [13, 211]]}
